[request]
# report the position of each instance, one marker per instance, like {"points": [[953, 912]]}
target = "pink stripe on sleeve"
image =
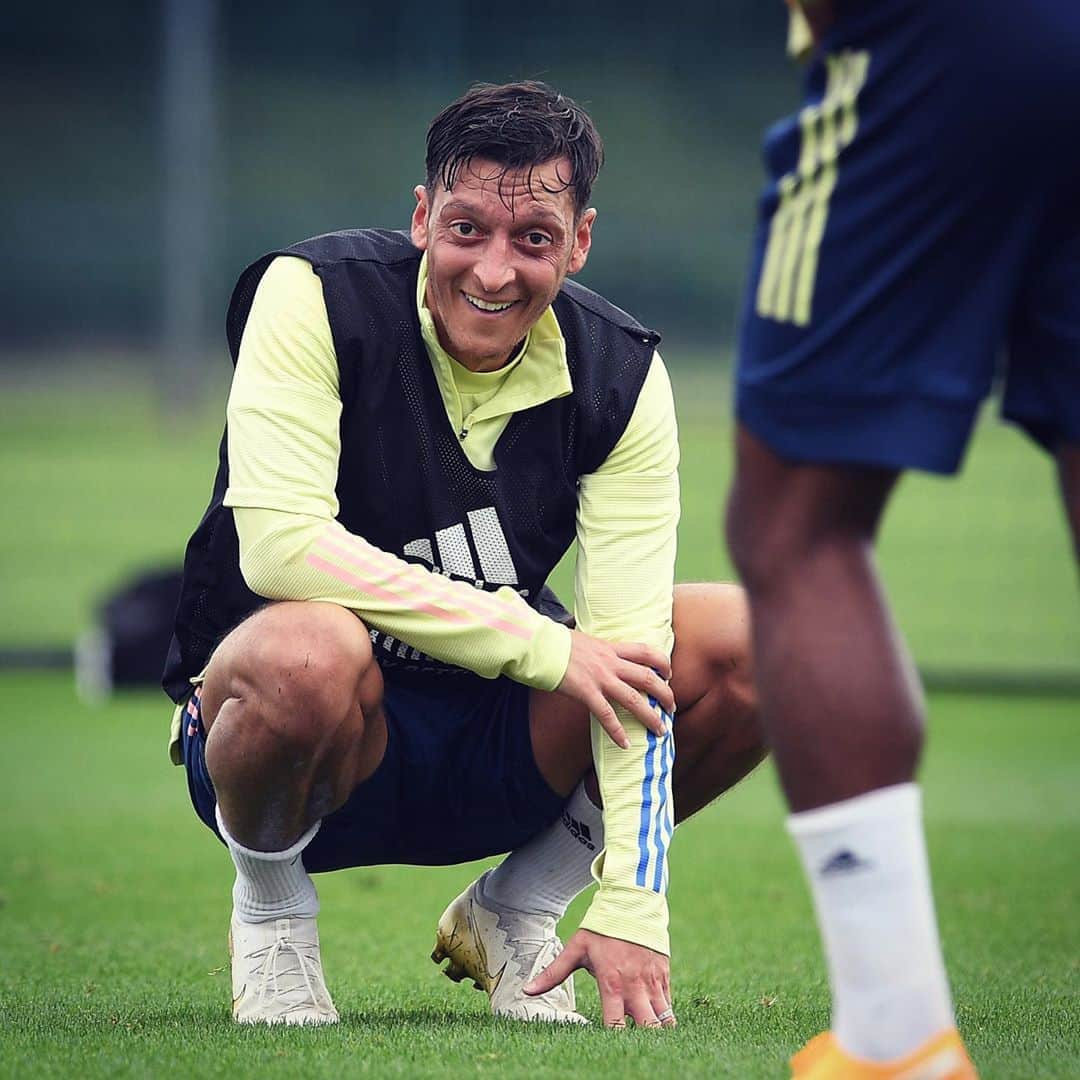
{"points": [[373, 588], [388, 569]]}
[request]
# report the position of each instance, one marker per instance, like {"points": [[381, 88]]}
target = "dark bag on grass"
{"points": [[127, 645]]}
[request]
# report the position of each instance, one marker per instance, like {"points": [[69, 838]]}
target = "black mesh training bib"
{"points": [[404, 482]]}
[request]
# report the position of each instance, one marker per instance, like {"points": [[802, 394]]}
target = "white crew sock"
{"points": [[544, 875], [866, 862], [271, 884]]}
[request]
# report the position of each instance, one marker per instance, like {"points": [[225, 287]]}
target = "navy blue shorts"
{"points": [[919, 237], [458, 781]]}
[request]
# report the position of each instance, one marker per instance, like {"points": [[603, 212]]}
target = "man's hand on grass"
{"points": [[634, 981]]}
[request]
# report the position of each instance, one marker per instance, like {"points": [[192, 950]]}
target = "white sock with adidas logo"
{"points": [[544, 875], [865, 859]]}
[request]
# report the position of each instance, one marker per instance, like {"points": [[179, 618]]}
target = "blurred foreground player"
{"points": [[923, 214], [418, 427]]}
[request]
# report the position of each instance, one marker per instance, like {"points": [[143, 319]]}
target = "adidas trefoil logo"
{"points": [[843, 861]]}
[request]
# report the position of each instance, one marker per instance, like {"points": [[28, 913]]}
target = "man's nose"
{"points": [[495, 268]]}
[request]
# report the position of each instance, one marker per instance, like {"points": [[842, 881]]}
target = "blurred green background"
{"points": [[293, 120], [155, 149], [97, 482]]}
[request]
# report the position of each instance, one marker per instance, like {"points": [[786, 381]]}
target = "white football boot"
{"points": [[501, 951], [277, 975]]}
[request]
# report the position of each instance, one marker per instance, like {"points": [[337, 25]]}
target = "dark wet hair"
{"points": [[516, 125]]}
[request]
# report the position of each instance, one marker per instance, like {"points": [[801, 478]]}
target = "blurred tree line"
{"points": [[319, 116]]}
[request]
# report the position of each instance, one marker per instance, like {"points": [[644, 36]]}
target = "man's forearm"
{"points": [[627, 516], [635, 786], [287, 556]]}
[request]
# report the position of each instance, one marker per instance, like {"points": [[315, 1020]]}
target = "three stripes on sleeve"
{"points": [[657, 816]]}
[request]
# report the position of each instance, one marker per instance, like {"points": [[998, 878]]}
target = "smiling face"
{"points": [[499, 248]]}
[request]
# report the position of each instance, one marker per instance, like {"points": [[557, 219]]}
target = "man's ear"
{"points": [[418, 228], [582, 241]]}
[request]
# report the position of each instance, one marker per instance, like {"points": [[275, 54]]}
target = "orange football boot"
{"points": [[941, 1058]]}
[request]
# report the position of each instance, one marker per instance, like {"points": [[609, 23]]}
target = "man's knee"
{"points": [[712, 656], [718, 734], [296, 669]]}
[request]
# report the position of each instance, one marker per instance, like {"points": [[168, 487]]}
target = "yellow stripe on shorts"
{"points": [[786, 286]]}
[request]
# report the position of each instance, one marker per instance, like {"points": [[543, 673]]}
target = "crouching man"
{"points": [[419, 427]]}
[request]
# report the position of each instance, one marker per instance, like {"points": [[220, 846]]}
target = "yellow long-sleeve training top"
{"points": [[283, 416]]}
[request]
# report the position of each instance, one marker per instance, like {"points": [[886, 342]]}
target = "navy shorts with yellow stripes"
{"points": [[458, 780], [919, 237]]}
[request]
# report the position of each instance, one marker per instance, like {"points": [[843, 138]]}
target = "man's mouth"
{"points": [[487, 305]]}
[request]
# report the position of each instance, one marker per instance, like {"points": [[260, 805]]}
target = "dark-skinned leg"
{"points": [[840, 702], [842, 708]]}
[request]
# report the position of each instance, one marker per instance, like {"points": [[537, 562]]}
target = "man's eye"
{"points": [[464, 228], [537, 239]]}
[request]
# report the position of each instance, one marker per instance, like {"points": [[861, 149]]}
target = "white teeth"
{"points": [[484, 305]]}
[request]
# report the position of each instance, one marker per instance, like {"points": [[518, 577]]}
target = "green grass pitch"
{"points": [[114, 900], [115, 903]]}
